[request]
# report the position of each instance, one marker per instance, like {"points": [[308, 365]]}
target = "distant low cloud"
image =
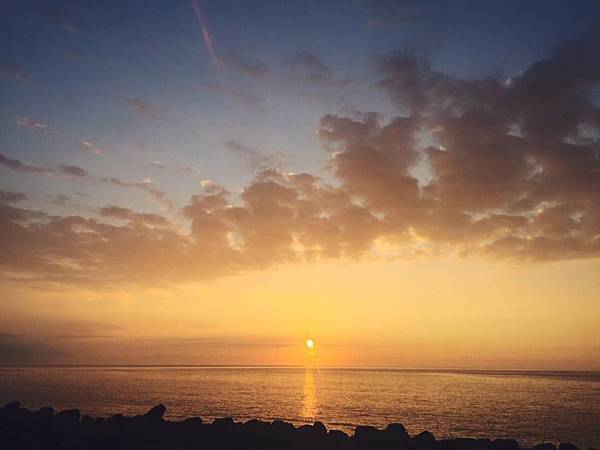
{"points": [[18, 350], [310, 68]]}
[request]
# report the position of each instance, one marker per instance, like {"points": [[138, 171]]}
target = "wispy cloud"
{"points": [[32, 124], [140, 106], [255, 159], [308, 67], [20, 166], [89, 146]]}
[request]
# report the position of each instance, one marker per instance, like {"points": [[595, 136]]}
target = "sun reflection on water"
{"points": [[309, 401]]}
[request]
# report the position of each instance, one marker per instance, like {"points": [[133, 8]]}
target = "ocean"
{"points": [[532, 407]]}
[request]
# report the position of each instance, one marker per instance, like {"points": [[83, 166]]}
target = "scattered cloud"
{"points": [[13, 71], [20, 166], [156, 164], [308, 67], [11, 197], [255, 159], [32, 124], [235, 61], [74, 171], [140, 106], [89, 146], [515, 174]]}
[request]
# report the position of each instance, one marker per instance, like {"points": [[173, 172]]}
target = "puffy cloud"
{"points": [[514, 172]]}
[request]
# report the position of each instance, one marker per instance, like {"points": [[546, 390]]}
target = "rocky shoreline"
{"points": [[21, 428]]}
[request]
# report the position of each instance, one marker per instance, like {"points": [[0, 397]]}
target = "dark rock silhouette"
{"points": [[21, 428]]}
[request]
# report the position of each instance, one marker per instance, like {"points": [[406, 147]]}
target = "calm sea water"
{"points": [[532, 407]]}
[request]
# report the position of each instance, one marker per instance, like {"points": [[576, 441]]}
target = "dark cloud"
{"points": [[11, 196], [308, 67], [255, 159], [20, 166], [19, 350], [235, 61], [74, 171]]}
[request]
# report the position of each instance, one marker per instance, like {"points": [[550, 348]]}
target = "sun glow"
{"points": [[310, 344]]}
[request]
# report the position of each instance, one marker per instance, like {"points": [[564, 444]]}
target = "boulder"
{"points": [[505, 444], [567, 446], [156, 413]]}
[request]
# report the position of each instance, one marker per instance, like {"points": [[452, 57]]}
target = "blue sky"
{"points": [[79, 61]]}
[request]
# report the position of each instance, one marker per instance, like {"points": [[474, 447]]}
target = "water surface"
{"points": [[532, 407]]}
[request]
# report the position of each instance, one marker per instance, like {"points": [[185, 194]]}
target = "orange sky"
{"points": [[421, 313]]}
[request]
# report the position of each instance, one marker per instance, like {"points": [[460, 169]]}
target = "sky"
{"points": [[408, 184]]}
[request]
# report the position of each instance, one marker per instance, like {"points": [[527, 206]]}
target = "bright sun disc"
{"points": [[310, 344]]}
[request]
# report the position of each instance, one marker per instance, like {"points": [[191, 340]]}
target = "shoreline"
{"points": [[46, 429]]}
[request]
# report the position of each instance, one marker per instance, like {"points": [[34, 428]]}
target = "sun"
{"points": [[310, 344]]}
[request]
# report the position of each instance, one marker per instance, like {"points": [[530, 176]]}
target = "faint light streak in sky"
{"points": [[208, 41]]}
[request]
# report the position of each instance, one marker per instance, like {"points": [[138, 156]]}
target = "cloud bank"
{"points": [[513, 173]]}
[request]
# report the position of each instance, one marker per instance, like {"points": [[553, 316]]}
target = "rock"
{"points": [[337, 435], [424, 437], [12, 405], [396, 432], [69, 414], [156, 413], [366, 433], [87, 421], [544, 446], [281, 428], [505, 444], [567, 446], [320, 428]]}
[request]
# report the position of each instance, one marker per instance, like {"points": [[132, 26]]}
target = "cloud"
{"points": [[514, 174], [32, 124], [235, 61], [89, 146], [255, 158], [18, 350], [74, 171], [245, 98], [140, 106], [156, 164], [13, 71], [20, 166], [308, 67], [146, 185], [11, 196]]}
